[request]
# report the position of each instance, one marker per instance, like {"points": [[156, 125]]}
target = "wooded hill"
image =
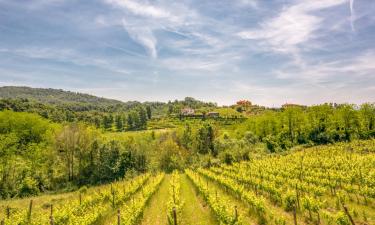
{"points": [[58, 97], [66, 106]]}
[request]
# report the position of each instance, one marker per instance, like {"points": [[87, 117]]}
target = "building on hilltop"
{"points": [[212, 114], [187, 111]]}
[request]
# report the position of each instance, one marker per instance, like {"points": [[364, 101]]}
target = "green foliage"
{"points": [[29, 186], [309, 182], [321, 124], [37, 155], [205, 139], [342, 219], [175, 203], [290, 201], [218, 205], [172, 157], [250, 138], [60, 106], [149, 112], [24, 140]]}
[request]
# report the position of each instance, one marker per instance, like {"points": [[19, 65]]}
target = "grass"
{"points": [[156, 211], [194, 211]]}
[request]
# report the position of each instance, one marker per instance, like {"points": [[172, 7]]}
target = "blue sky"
{"points": [[267, 51]]}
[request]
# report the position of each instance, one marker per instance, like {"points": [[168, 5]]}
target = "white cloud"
{"points": [[191, 64], [294, 26], [41, 4], [169, 13], [252, 3], [65, 55], [142, 9], [144, 36], [352, 14], [362, 66], [146, 18], [350, 80]]}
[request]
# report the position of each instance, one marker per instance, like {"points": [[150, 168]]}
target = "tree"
{"points": [[186, 139], [367, 119], [319, 122], [130, 121], [24, 153], [171, 156], [107, 122], [170, 108], [293, 122], [348, 121], [205, 139], [149, 112], [119, 124], [142, 118]]}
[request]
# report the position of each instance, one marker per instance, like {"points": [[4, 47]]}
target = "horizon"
{"points": [[270, 53], [182, 99]]}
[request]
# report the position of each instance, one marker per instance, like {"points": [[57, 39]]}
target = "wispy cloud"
{"points": [[294, 26], [352, 14], [144, 9], [361, 66], [252, 3], [142, 35], [192, 65], [66, 56], [145, 18]]}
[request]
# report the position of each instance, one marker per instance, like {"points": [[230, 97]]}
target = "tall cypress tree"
{"points": [[130, 121], [149, 113], [119, 124], [142, 118]]}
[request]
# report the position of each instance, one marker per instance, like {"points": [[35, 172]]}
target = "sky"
{"points": [[270, 52]]}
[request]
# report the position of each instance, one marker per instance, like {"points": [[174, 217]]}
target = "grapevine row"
{"points": [[85, 211], [129, 214], [175, 203], [219, 207]]}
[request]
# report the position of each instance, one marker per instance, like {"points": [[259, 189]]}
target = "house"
{"points": [[187, 111], [212, 114]]}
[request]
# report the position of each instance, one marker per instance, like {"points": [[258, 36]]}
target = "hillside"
{"points": [[76, 101], [60, 105], [271, 190], [60, 97]]}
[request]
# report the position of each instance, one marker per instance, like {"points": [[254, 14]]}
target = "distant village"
{"points": [[189, 112], [241, 108]]}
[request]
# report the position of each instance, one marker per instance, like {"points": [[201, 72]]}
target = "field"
{"points": [[332, 184]]}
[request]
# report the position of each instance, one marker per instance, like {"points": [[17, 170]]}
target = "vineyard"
{"points": [[332, 184]]}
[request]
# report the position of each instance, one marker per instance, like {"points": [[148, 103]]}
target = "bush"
{"points": [[250, 137], [272, 143], [29, 187]]}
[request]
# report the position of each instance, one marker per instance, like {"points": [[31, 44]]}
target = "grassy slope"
{"points": [[194, 211], [156, 211]]}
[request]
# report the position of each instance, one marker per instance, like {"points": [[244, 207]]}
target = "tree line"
{"points": [[37, 155], [134, 118], [320, 124]]}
